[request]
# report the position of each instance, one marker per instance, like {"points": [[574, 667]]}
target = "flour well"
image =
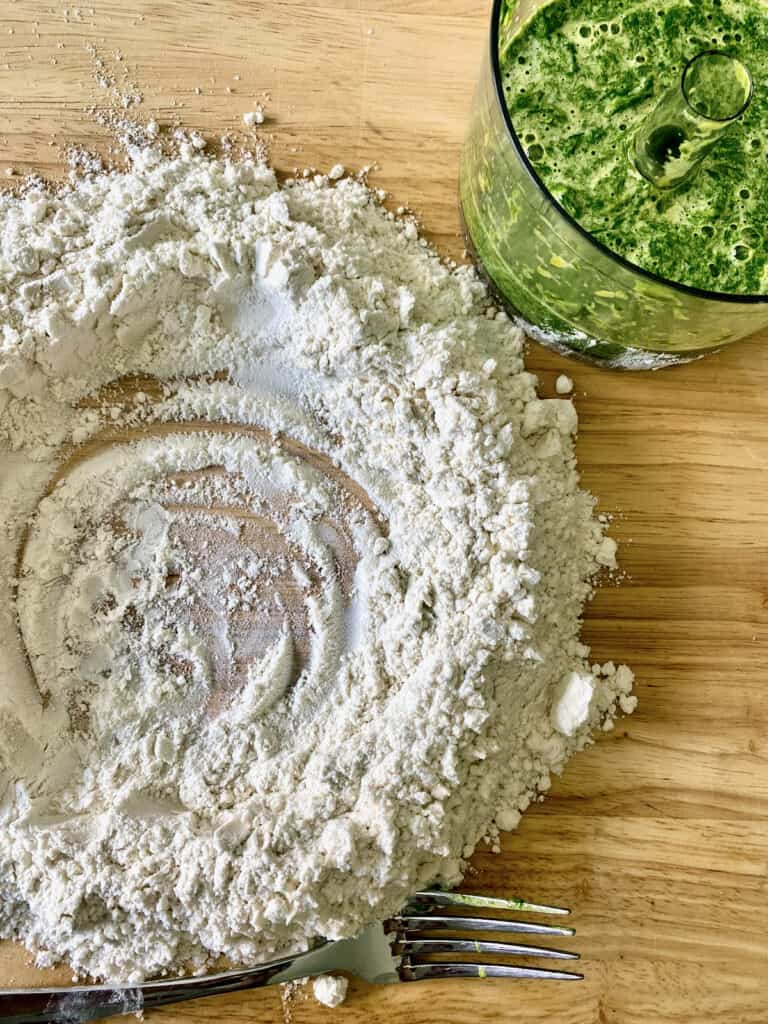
{"points": [[289, 616]]}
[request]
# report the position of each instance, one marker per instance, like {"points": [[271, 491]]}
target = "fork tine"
{"points": [[438, 898], [422, 972], [439, 922], [410, 947]]}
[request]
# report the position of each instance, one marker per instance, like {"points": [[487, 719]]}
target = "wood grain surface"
{"points": [[658, 836]]}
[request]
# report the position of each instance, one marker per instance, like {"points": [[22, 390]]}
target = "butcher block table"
{"points": [[657, 837]]}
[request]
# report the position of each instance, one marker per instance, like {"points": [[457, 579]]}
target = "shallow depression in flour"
{"points": [[293, 560]]}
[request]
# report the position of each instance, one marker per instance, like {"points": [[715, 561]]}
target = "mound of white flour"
{"points": [[261, 679]]}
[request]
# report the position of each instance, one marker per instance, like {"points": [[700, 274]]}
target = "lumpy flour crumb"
{"points": [[296, 622], [330, 990], [254, 117]]}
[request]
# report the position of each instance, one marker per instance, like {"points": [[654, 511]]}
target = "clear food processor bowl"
{"points": [[567, 289]]}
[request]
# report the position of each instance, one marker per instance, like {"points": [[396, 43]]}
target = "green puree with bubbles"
{"points": [[580, 78]]}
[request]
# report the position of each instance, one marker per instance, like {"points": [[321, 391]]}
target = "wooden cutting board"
{"points": [[658, 836]]}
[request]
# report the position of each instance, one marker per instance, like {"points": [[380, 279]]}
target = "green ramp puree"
{"points": [[579, 79]]}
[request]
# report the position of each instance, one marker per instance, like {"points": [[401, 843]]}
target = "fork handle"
{"points": [[93, 1002]]}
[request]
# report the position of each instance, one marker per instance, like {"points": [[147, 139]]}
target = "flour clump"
{"points": [[330, 990], [292, 566]]}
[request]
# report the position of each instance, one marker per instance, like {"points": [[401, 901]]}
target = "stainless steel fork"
{"points": [[402, 948]]}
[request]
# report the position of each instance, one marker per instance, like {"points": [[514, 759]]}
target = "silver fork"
{"points": [[399, 949]]}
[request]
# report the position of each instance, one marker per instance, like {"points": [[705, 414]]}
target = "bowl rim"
{"points": [[734, 298]]}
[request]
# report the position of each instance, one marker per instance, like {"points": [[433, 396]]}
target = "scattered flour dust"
{"points": [[262, 679]]}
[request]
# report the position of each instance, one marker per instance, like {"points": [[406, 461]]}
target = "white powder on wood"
{"points": [[262, 679]]}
